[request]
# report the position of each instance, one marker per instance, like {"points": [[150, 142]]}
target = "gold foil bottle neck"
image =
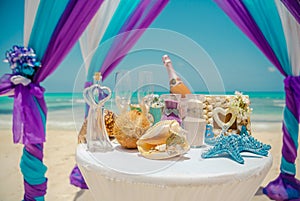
{"points": [[166, 59]]}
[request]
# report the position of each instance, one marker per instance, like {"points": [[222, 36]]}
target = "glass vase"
{"points": [[97, 137], [171, 109]]}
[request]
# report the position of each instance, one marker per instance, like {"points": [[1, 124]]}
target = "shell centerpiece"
{"points": [[129, 127], [166, 139]]}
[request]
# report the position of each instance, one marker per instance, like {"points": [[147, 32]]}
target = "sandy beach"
{"points": [[59, 158]]}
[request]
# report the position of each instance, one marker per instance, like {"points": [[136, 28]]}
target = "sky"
{"points": [[223, 48]]}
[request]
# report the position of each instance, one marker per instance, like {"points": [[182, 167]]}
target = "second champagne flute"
{"points": [[122, 90], [145, 90]]}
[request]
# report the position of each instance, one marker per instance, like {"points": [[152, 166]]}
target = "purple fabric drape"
{"points": [[290, 128], [28, 126], [30, 111], [71, 25], [28, 116], [39, 191], [292, 91], [30, 153], [132, 30], [286, 186], [236, 10], [6, 85], [77, 179], [294, 7], [73, 22]]}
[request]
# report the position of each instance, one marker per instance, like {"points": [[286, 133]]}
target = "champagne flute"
{"points": [[145, 89], [122, 90]]}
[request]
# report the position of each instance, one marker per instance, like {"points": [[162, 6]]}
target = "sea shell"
{"points": [[164, 140], [129, 127], [109, 118]]}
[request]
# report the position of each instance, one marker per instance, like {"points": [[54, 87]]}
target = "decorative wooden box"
{"points": [[226, 111]]}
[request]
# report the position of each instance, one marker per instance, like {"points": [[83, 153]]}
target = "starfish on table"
{"points": [[249, 140], [234, 144]]}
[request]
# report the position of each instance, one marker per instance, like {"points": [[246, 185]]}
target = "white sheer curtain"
{"points": [[291, 30], [90, 39], [31, 7]]}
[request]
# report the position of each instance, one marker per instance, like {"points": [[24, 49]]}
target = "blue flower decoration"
{"points": [[23, 61]]}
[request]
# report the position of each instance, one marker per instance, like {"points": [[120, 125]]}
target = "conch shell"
{"points": [[129, 127], [164, 140]]}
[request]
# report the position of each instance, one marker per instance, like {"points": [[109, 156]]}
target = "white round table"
{"points": [[124, 175]]}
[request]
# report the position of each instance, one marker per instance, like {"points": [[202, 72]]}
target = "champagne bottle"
{"points": [[175, 82]]}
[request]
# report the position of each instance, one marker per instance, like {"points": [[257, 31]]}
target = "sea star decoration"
{"points": [[234, 144]]}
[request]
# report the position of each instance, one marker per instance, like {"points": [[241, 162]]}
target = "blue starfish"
{"points": [[225, 144], [249, 140], [235, 144]]}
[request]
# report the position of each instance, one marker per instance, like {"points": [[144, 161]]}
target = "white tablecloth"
{"points": [[124, 175]]}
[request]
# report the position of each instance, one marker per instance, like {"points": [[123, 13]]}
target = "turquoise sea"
{"points": [[66, 110]]}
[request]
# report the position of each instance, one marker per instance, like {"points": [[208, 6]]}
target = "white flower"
{"points": [[240, 105], [237, 93]]}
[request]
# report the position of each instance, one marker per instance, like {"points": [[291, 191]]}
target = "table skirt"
{"points": [[107, 185]]}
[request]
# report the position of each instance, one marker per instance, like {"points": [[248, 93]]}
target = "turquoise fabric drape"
{"points": [[57, 26], [124, 10], [262, 23], [32, 168], [262, 11], [47, 10]]}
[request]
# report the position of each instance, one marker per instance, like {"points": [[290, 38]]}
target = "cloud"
{"points": [[271, 69]]}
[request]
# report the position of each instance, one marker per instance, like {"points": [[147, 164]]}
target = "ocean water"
{"points": [[66, 110]]}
